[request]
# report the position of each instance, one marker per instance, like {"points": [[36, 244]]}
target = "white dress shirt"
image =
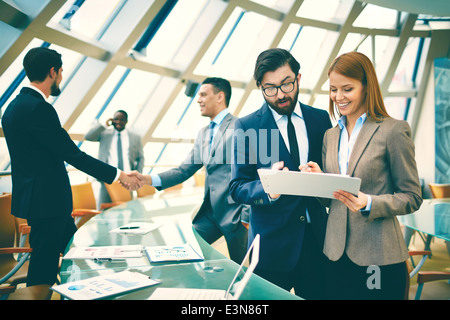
{"points": [[112, 157], [346, 145], [300, 131]]}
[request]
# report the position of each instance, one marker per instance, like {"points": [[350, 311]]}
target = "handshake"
{"points": [[134, 180]]}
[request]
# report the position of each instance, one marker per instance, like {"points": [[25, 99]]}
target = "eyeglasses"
{"points": [[273, 91]]}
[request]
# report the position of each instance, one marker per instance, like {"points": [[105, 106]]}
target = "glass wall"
{"points": [[139, 55]]}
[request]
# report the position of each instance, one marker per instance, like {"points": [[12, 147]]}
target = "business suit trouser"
{"points": [[349, 281], [307, 278], [48, 239]]}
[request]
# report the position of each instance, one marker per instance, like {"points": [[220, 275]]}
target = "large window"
{"points": [[139, 55]]}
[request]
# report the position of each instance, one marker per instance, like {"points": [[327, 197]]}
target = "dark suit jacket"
{"points": [[280, 223], [38, 147]]}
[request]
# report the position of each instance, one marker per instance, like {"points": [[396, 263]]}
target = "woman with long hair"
{"points": [[363, 238]]}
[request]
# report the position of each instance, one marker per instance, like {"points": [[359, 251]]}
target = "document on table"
{"points": [[104, 286], [183, 252], [105, 252], [137, 228], [311, 184]]}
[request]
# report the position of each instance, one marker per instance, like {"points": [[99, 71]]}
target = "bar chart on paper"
{"points": [[173, 253]]}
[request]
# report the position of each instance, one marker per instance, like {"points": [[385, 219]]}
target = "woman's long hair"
{"points": [[357, 66]]}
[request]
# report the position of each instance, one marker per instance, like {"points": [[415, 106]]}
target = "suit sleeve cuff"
{"points": [[117, 175], [272, 200], [368, 207], [156, 181]]}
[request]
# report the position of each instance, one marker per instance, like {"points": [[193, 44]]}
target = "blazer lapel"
{"points": [[367, 131], [219, 134]]}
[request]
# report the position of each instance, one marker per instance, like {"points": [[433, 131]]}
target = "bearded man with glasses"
{"points": [[291, 228]]}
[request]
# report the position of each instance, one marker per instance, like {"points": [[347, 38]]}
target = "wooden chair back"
{"points": [[83, 196], [117, 193], [145, 191], [439, 190]]}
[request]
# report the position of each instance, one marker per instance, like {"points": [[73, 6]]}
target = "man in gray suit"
{"points": [[118, 147], [218, 215]]}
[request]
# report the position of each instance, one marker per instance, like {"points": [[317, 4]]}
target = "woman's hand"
{"points": [[352, 202]]}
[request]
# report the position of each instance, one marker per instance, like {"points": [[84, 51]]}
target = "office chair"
{"points": [[422, 276], [199, 178], [117, 193], [12, 270], [413, 267], [429, 276], [37, 292], [175, 188], [84, 204], [145, 191], [439, 190]]}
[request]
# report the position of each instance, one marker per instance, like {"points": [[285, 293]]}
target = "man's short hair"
{"points": [[220, 84], [124, 113], [38, 62], [272, 59]]}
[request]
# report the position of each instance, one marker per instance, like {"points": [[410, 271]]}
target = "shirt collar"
{"points": [[36, 89], [219, 118], [122, 133], [343, 120], [297, 111]]}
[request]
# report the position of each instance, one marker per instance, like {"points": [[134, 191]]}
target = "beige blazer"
{"points": [[383, 157]]}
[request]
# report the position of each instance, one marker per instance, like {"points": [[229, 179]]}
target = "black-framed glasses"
{"points": [[285, 87]]}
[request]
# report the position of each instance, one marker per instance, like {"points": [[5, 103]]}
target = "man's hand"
{"points": [[130, 181], [139, 178], [144, 178], [310, 167], [277, 166]]}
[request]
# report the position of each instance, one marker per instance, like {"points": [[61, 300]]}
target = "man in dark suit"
{"points": [[218, 215], [38, 148], [281, 135]]}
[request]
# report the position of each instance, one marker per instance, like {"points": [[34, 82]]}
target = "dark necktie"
{"points": [[119, 153], [293, 145], [211, 133]]}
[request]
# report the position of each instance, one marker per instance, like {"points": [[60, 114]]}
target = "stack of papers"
{"points": [[173, 253], [107, 252], [104, 286]]}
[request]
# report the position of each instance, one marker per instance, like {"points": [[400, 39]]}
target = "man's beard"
{"points": [[55, 90], [284, 110]]}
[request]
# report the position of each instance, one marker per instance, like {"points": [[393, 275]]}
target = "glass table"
{"points": [[432, 218], [209, 274], [174, 218]]}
